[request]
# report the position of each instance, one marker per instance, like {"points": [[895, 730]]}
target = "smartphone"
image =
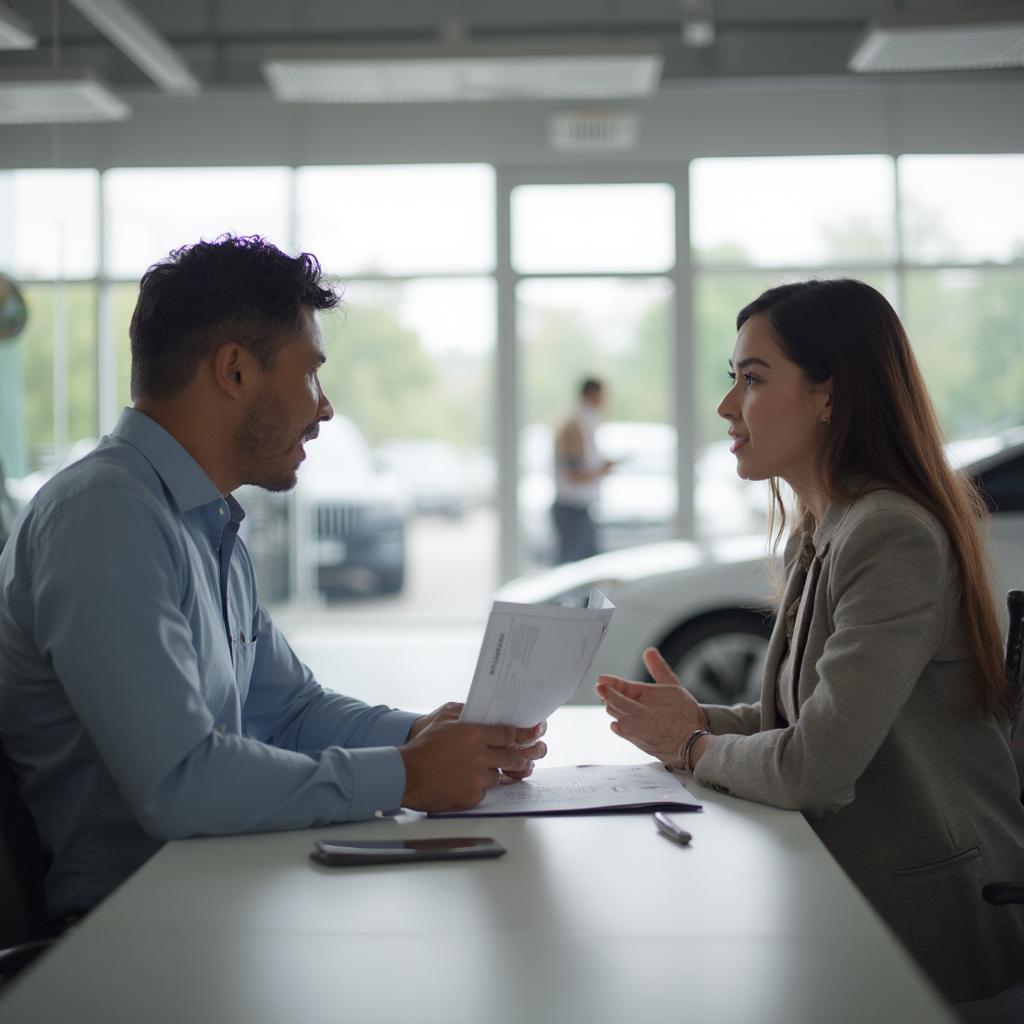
{"points": [[349, 853]]}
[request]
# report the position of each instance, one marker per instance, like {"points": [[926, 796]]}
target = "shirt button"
{"points": [[220, 511]]}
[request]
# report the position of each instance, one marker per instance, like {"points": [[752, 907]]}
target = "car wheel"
{"points": [[720, 657]]}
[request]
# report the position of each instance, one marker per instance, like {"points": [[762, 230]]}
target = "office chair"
{"points": [[1007, 1007], [1013, 892], [23, 926], [1015, 673]]}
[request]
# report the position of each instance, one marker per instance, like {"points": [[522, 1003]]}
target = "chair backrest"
{"points": [[1015, 674], [22, 866], [1015, 644]]}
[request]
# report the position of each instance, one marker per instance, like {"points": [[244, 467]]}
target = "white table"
{"points": [[586, 919]]}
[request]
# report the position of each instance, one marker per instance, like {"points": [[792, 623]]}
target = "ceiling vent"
{"points": [[593, 132], [962, 42], [555, 71]]}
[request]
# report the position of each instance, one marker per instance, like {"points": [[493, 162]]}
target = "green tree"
{"points": [[967, 330], [378, 375]]}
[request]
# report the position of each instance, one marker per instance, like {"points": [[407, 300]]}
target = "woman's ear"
{"points": [[824, 397]]}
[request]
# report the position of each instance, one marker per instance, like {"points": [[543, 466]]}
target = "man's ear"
{"points": [[233, 369]]}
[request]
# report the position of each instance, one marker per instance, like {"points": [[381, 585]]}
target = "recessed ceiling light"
{"points": [[464, 73], [961, 42]]}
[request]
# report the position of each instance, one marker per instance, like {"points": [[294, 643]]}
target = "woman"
{"points": [[884, 711]]}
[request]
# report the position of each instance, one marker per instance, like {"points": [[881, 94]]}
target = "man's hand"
{"points": [[445, 713], [657, 718], [449, 764]]}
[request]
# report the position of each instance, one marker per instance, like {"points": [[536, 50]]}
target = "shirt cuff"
{"points": [[390, 730], [378, 781]]}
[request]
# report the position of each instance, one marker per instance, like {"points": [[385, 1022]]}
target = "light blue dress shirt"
{"points": [[145, 694]]}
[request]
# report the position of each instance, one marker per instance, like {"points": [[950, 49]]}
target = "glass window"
{"points": [[149, 212], [422, 219], [124, 297], [1003, 485], [413, 359], [962, 209], [601, 228], [791, 211], [399, 489], [48, 223], [967, 329], [58, 368], [619, 331]]}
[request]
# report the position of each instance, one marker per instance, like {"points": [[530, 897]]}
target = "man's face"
{"points": [[286, 412]]}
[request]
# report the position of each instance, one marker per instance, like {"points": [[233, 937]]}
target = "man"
{"points": [[145, 694], [579, 470]]}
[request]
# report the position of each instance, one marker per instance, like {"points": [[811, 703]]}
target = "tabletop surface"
{"points": [[593, 918]]}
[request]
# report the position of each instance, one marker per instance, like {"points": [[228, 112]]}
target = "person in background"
{"points": [[579, 470], [145, 692], [885, 708]]}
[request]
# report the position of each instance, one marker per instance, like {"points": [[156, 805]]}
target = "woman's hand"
{"points": [[657, 718]]}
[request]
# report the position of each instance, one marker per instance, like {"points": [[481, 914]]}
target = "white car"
{"points": [[704, 605]]}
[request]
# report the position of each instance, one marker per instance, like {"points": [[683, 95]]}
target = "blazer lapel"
{"points": [[802, 627], [776, 649]]}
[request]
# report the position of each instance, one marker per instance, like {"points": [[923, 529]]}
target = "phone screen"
{"points": [[353, 852]]}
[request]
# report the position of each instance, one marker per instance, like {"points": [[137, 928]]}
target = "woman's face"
{"points": [[775, 415]]}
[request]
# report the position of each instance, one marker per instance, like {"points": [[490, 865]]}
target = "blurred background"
{"points": [[511, 197]]}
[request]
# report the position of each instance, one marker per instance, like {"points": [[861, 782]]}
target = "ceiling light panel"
{"points": [[57, 97], [950, 46], [463, 77], [15, 32]]}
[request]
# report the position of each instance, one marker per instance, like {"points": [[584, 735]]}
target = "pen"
{"points": [[670, 830]]}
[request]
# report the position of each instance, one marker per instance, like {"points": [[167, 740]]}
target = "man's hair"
{"points": [[234, 288], [591, 386]]}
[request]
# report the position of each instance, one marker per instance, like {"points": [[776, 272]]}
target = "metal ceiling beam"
{"points": [[141, 43]]}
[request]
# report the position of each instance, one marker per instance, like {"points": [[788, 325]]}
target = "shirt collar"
{"points": [[184, 478]]}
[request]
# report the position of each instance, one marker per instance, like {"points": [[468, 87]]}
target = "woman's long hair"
{"points": [[883, 429]]}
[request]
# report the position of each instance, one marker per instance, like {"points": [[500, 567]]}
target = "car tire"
{"points": [[720, 657]]}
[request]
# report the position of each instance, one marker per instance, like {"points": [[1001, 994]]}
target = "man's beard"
{"points": [[264, 446]]}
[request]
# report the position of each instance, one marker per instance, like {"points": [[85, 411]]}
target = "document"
{"points": [[583, 788], [533, 659]]}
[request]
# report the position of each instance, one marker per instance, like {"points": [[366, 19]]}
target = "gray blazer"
{"points": [[908, 784]]}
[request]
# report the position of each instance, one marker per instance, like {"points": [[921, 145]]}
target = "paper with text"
{"points": [[589, 787], [533, 659]]}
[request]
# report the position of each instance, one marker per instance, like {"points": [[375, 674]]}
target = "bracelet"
{"points": [[684, 756]]}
